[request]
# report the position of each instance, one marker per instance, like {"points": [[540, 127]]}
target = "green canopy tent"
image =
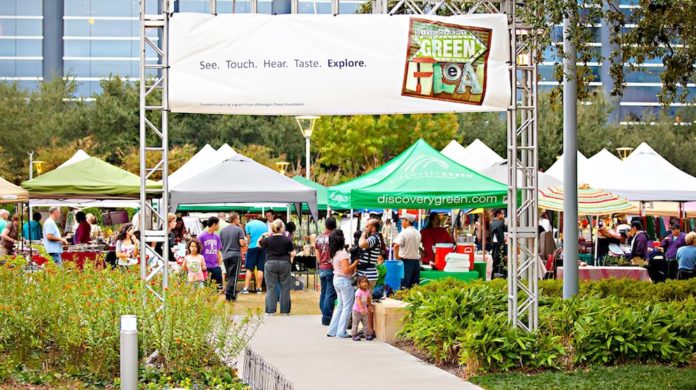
{"points": [[423, 178], [91, 178]]}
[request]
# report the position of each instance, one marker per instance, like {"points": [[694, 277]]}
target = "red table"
{"points": [[79, 258], [598, 273]]}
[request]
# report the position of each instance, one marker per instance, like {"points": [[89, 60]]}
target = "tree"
{"points": [[178, 155], [353, 145]]}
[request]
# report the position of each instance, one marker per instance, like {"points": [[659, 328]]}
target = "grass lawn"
{"points": [[627, 377], [304, 302]]}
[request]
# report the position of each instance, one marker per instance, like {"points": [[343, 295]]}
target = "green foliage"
{"points": [[356, 144], [611, 321], [631, 376], [67, 322]]}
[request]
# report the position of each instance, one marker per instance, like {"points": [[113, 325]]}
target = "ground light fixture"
{"points": [[306, 124]]}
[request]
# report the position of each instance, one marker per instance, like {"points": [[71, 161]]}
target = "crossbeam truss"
{"points": [[522, 146]]}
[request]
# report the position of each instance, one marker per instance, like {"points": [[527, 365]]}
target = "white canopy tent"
{"points": [[500, 173], [80, 155], [225, 151], [646, 176], [556, 170], [243, 180], [202, 160], [477, 156]]}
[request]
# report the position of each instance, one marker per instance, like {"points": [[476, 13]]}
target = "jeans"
{"points": [[411, 273], [232, 269], [346, 298], [215, 275], [278, 272], [359, 317], [57, 258], [328, 295]]}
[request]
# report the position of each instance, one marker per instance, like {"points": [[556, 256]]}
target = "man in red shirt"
{"points": [[431, 235], [328, 293]]}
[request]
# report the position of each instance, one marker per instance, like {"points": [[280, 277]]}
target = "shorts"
{"points": [[255, 258]]}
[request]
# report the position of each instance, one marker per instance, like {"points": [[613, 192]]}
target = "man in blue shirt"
{"points": [[4, 217], [255, 256], [53, 241], [32, 229], [687, 258]]}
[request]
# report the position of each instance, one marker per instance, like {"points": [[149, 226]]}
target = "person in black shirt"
{"points": [[498, 230], [280, 253]]}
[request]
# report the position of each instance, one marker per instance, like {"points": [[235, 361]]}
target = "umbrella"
{"points": [[591, 201]]}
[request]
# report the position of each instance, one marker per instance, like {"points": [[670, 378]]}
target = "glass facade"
{"points": [[642, 85], [21, 39], [101, 39]]}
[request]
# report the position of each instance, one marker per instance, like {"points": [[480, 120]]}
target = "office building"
{"points": [[93, 39]]}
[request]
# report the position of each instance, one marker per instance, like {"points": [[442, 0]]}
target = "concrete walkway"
{"points": [[298, 347]]}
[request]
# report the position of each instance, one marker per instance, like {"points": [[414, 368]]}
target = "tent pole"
{"points": [[350, 229], [483, 240]]}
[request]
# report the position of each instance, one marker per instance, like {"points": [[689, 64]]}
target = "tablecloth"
{"points": [[428, 276], [598, 273]]}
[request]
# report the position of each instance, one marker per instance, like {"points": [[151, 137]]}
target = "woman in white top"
{"points": [[95, 229], [127, 246], [343, 283]]}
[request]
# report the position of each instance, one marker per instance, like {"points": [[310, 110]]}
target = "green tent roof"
{"points": [[322, 191], [420, 177], [91, 178]]}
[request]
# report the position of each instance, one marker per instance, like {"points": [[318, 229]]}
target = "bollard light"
{"points": [[129, 352]]}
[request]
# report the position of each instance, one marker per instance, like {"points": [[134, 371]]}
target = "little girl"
{"points": [[194, 264], [363, 300]]}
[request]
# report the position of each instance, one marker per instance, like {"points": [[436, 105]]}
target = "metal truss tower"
{"points": [[154, 146], [522, 147]]}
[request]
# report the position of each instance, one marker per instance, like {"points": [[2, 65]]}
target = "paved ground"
{"points": [[298, 347]]}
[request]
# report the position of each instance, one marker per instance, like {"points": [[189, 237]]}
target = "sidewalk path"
{"points": [[298, 347]]}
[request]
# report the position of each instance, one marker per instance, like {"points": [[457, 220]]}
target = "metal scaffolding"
{"points": [[522, 147], [154, 146]]}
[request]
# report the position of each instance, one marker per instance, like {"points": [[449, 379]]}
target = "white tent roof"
{"points": [[206, 158], [499, 172], [600, 169], [80, 155], [647, 176], [556, 170], [604, 157], [242, 180], [477, 156], [225, 151]]}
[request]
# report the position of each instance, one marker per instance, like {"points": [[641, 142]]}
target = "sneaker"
{"points": [[370, 337], [258, 291], [270, 314], [344, 336], [356, 338], [244, 291]]}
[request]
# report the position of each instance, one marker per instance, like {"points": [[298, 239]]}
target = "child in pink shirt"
{"points": [[363, 300], [194, 264]]}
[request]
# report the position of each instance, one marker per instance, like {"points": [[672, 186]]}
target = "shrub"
{"points": [[614, 321], [67, 322]]}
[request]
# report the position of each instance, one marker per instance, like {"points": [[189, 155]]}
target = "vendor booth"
{"points": [[83, 183], [10, 193], [423, 178], [242, 180]]}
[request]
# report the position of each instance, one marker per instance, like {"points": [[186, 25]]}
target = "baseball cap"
{"points": [[409, 217]]}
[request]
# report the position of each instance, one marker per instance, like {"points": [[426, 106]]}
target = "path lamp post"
{"points": [[306, 123]]}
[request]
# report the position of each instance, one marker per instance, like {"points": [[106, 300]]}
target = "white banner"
{"points": [[337, 65]]}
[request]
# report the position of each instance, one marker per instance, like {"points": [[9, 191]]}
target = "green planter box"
{"points": [[429, 276]]}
